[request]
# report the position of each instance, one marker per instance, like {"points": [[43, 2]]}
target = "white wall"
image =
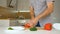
{"points": [[3, 3], [23, 4], [56, 13]]}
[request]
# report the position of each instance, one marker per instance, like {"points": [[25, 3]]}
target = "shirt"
{"points": [[39, 7]]}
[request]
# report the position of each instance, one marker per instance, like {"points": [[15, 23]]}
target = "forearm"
{"points": [[46, 12], [32, 13]]}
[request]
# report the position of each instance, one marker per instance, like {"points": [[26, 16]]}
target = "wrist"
{"points": [[38, 18]]}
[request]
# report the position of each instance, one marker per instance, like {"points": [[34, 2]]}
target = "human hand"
{"points": [[31, 23]]}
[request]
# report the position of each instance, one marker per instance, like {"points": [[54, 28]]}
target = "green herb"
{"points": [[33, 29], [10, 28]]}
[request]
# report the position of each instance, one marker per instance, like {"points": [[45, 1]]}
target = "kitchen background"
{"points": [[19, 10]]}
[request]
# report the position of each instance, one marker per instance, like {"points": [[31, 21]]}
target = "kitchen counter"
{"points": [[3, 30]]}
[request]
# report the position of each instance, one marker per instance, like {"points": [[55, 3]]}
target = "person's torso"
{"points": [[39, 6]]}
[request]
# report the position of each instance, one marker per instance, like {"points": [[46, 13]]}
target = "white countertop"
{"points": [[3, 30]]}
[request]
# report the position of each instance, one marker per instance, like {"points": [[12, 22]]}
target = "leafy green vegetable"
{"points": [[10, 28], [33, 29]]}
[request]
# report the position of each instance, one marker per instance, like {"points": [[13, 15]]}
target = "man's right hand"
{"points": [[29, 24]]}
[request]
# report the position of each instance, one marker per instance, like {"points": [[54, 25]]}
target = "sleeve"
{"points": [[49, 1]]}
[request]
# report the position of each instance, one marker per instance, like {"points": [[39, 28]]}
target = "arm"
{"points": [[46, 12], [32, 18], [32, 12]]}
